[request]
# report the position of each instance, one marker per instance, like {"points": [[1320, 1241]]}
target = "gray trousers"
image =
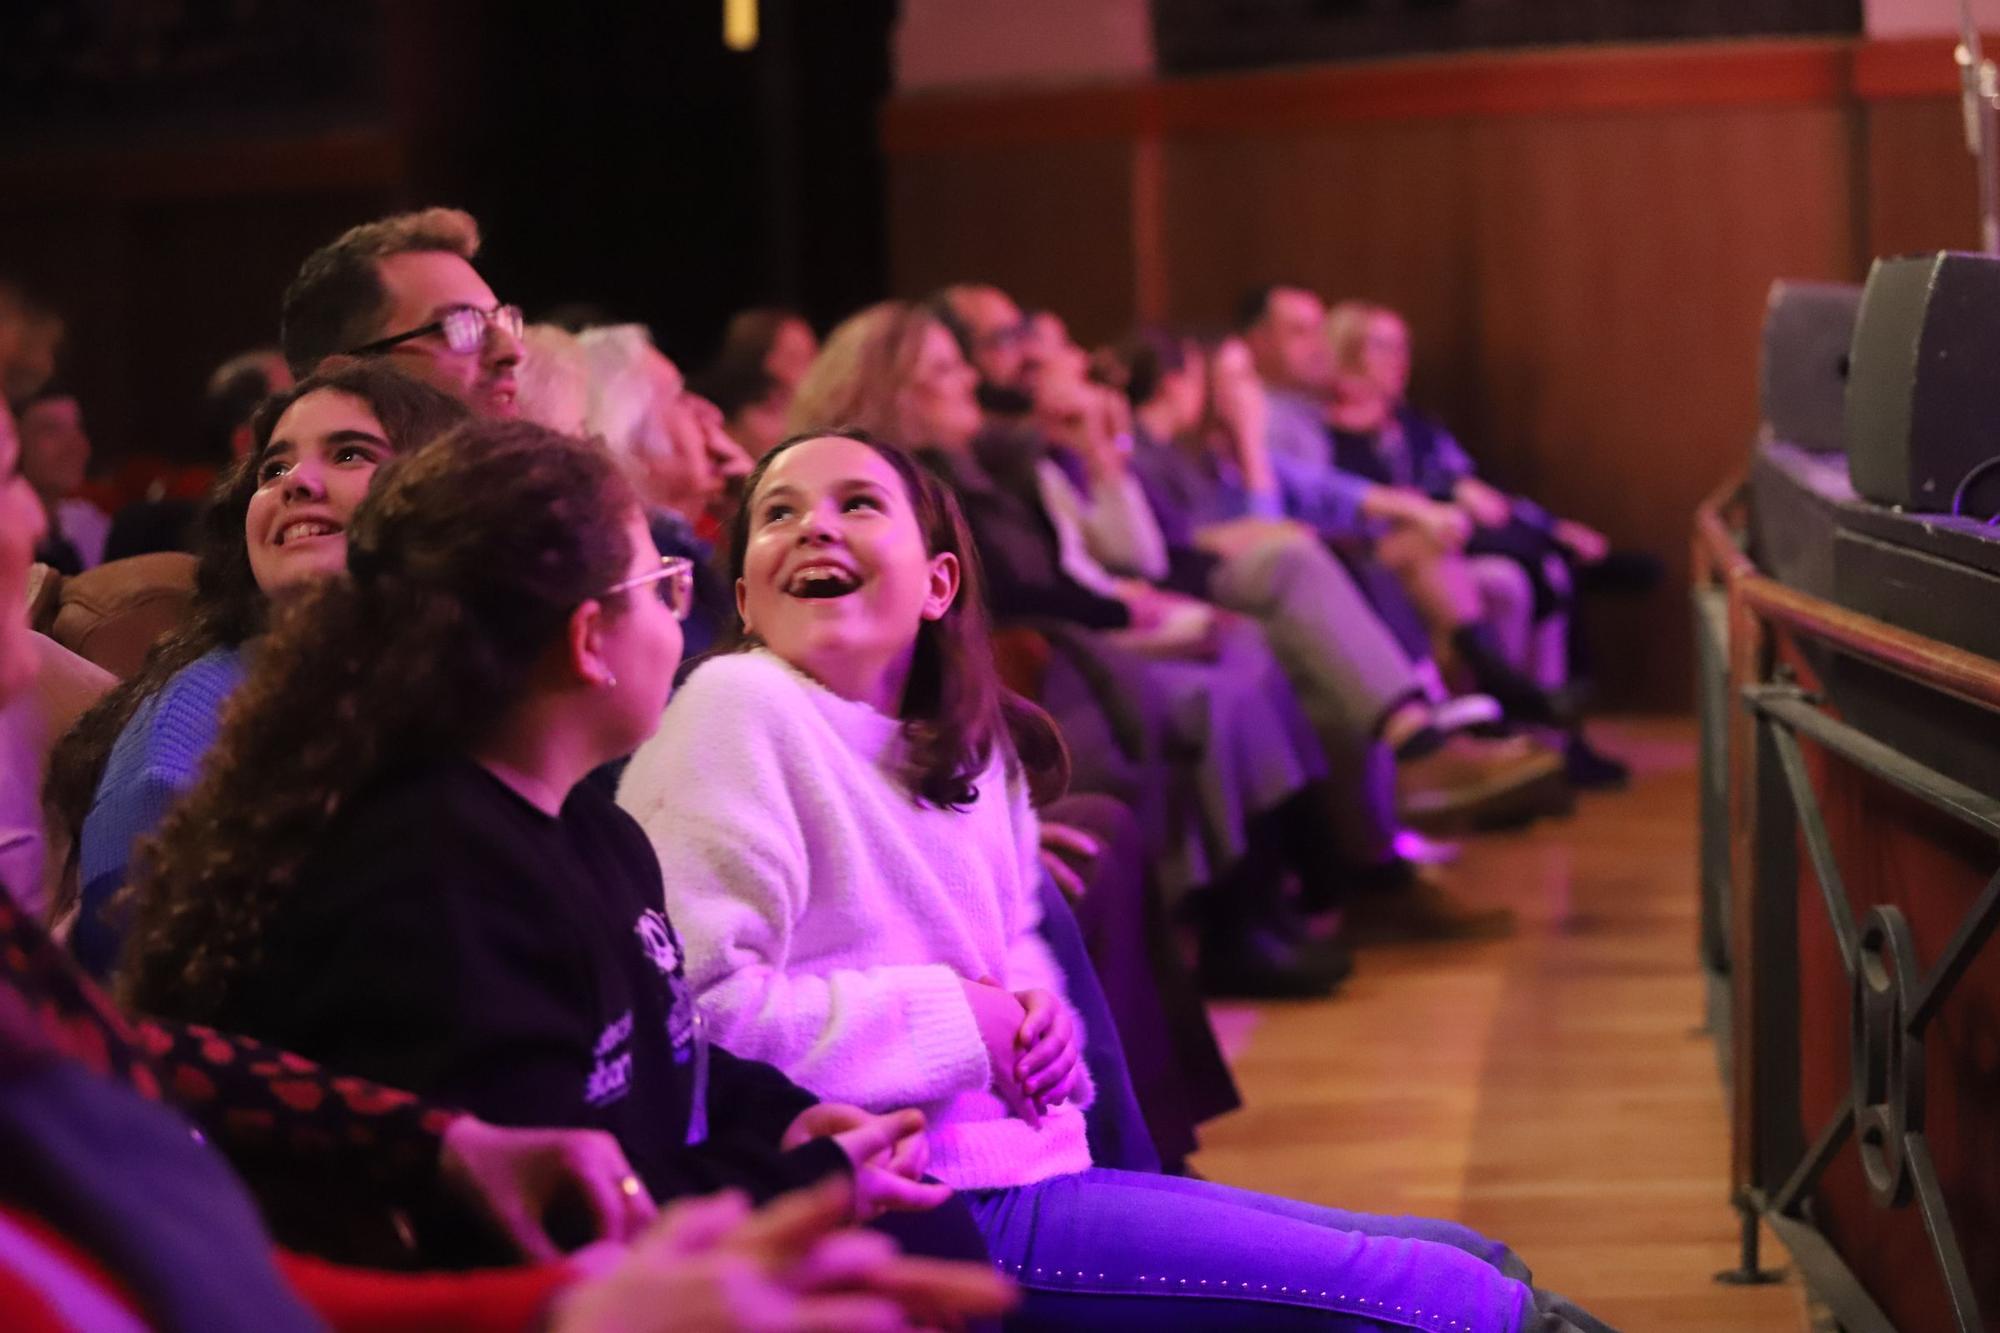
{"points": [[1347, 668], [1249, 745]]}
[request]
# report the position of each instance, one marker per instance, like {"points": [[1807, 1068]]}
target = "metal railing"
{"points": [[1894, 996]]}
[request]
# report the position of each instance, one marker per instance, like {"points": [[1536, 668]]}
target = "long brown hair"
{"points": [[228, 607], [955, 710], [859, 377], [465, 563]]}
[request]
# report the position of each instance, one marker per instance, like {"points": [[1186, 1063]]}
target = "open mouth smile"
{"points": [[822, 582], [303, 529]]}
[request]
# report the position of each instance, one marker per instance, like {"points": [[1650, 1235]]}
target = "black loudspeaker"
{"points": [[1923, 385], [1803, 381]]}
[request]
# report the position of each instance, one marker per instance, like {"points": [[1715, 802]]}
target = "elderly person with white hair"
{"points": [[672, 442]]}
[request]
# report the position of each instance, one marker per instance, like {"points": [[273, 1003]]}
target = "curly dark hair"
{"points": [[228, 608], [955, 708], [465, 563]]}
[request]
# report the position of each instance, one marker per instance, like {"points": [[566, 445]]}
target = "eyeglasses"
{"points": [[673, 581], [463, 326]]}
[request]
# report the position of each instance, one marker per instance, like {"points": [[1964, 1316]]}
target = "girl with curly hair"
{"points": [[392, 863]]}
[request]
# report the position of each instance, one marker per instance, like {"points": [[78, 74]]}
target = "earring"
{"points": [[610, 681]]}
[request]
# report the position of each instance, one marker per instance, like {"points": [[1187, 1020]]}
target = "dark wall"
{"points": [[1194, 36], [164, 168], [630, 162]]}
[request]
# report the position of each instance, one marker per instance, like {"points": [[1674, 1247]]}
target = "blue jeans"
{"points": [[1115, 1249]]}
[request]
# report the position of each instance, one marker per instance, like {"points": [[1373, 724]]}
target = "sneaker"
{"points": [[1474, 783], [1462, 712]]}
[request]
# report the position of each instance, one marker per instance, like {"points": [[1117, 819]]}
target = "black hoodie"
{"points": [[452, 939]]}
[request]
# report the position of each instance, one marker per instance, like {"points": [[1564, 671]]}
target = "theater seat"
{"points": [[113, 614]]}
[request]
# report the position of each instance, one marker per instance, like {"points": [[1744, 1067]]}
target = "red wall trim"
{"points": [[1680, 76]]}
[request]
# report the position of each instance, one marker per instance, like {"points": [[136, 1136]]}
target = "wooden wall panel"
{"points": [[1583, 242], [1376, 212], [1051, 223], [1923, 191], [1620, 276]]}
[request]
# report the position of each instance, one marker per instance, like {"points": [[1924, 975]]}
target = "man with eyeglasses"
{"points": [[404, 288]]}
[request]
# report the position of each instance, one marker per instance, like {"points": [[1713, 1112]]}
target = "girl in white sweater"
{"points": [[843, 814]]}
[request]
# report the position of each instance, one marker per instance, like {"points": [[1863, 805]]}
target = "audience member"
{"points": [[672, 445], [1470, 605], [1198, 454], [278, 521], [428, 893], [1222, 708], [404, 287], [55, 457], [554, 388], [166, 506], [765, 352], [1383, 439], [777, 340], [843, 812], [31, 338], [120, 1215]]}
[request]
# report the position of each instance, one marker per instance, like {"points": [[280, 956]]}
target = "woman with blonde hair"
{"points": [[1211, 696]]}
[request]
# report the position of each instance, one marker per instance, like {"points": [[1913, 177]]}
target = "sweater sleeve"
{"points": [[154, 762], [720, 791]]}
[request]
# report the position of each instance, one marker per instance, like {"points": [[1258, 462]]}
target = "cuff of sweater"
{"points": [[944, 1036]]}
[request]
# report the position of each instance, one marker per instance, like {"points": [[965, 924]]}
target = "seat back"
{"points": [[113, 614]]}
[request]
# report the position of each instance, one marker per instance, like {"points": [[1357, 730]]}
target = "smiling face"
{"points": [[837, 578], [422, 286], [22, 525], [310, 479], [939, 403]]}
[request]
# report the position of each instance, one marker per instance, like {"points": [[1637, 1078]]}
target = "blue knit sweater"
{"points": [[153, 763]]}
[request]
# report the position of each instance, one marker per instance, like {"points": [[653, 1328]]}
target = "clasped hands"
{"points": [[1031, 1046]]}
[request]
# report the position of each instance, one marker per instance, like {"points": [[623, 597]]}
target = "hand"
{"points": [[1047, 1069], [1146, 604], [1446, 526], [1244, 412], [910, 1157], [1482, 504], [1586, 543], [1059, 843], [515, 1174], [888, 1154], [1000, 1016], [710, 1265], [1094, 423]]}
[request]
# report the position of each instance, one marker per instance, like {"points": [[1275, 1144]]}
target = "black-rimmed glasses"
{"points": [[463, 326], [673, 581]]}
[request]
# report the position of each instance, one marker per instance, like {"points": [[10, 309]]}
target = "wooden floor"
{"points": [[1551, 1089]]}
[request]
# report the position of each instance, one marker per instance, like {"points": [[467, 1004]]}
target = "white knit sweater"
{"points": [[828, 918]]}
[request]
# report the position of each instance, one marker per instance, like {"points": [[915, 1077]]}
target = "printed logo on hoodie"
{"points": [[663, 947], [611, 1077]]}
